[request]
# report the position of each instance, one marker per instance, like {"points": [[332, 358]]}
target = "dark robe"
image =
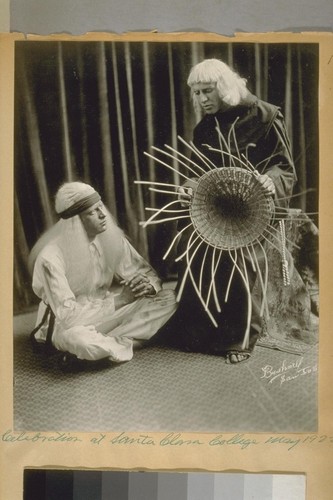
{"points": [[261, 136]]}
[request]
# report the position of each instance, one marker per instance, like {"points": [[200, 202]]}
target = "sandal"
{"points": [[234, 357]]}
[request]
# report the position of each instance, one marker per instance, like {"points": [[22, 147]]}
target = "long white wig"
{"points": [[230, 86]]}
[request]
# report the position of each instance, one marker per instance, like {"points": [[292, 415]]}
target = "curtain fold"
{"points": [[137, 195], [258, 71], [105, 144], [173, 119], [89, 110], [302, 171], [34, 147], [84, 157], [67, 156]]}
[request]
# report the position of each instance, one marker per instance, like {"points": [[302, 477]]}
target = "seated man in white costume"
{"points": [[105, 298]]}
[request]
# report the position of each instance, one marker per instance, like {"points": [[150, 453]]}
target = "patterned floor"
{"points": [[162, 390]]}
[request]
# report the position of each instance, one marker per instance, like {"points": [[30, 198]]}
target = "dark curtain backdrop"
{"points": [[88, 111]]}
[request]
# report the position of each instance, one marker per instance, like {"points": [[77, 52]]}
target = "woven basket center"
{"points": [[228, 206], [230, 209]]}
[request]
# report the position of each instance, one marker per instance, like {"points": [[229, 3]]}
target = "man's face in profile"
{"points": [[94, 219]]}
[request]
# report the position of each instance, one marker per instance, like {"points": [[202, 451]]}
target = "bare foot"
{"points": [[236, 357]]}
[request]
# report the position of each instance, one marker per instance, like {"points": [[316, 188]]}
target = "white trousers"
{"points": [[113, 337]]}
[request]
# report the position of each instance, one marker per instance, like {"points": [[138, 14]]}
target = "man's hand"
{"points": [[267, 184], [184, 195], [139, 285], [185, 192]]}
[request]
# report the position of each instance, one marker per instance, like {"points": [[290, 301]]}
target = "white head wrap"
{"points": [[74, 197], [69, 234]]}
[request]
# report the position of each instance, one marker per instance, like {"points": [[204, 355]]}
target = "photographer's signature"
{"points": [[287, 371]]}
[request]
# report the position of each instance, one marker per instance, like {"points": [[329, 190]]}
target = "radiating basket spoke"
{"points": [[175, 239], [249, 301], [188, 160], [205, 160], [177, 159], [160, 210], [228, 211]]}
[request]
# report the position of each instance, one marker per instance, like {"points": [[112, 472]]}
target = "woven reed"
{"points": [[230, 209]]}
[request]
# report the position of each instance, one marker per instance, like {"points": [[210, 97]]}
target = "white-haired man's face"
{"points": [[94, 220], [207, 97]]}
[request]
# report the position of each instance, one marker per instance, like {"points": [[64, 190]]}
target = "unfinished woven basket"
{"points": [[230, 209]]}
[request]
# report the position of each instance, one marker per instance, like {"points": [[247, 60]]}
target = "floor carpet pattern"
{"points": [[164, 390]]}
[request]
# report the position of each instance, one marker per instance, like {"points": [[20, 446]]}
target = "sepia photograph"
{"points": [[166, 236]]}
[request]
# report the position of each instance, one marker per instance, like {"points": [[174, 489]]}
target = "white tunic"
{"points": [[88, 325]]}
